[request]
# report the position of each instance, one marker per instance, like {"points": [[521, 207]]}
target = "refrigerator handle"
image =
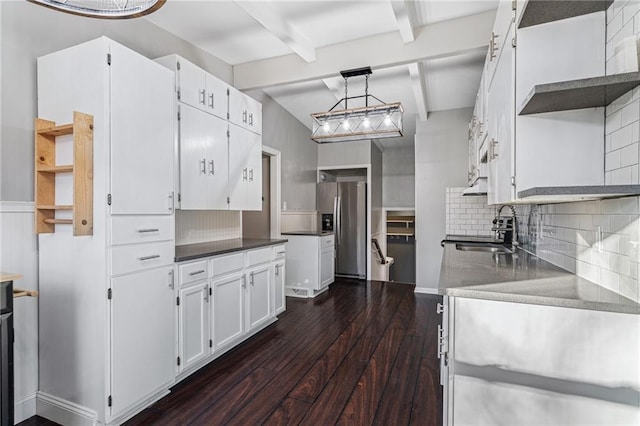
{"points": [[338, 218]]}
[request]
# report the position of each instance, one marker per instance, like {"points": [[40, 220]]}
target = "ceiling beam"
{"points": [[405, 13], [265, 14], [334, 87], [437, 40], [419, 86]]}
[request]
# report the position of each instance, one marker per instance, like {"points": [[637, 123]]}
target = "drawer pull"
{"points": [[153, 256], [142, 231], [202, 271]]}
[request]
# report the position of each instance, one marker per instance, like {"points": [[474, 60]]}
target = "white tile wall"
{"points": [[622, 126], [193, 226], [467, 215]]}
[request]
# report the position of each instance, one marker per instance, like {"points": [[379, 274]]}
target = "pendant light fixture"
{"points": [[105, 9], [368, 122]]}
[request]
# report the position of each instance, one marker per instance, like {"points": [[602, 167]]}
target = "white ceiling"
{"points": [[239, 32]]}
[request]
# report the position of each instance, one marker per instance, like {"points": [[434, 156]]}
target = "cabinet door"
{"points": [[192, 84], [254, 169], [217, 186], [142, 129], [278, 286], [193, 158], [327, 266], [239, 150], [254, 115], [194, 324], [238, 113], [217, 99], [259, 296], [228, 309], [142, 336]]}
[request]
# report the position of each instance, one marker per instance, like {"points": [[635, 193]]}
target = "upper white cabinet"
{"points": [[245, 111], [220, 167]]}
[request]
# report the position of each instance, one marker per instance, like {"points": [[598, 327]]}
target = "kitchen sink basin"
{"points": [[485, 247]]}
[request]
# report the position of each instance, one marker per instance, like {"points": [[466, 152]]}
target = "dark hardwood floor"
{"points": [[362, 353]]}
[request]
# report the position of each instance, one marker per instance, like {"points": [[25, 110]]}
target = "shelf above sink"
{"points": [[538, 12], [563, 194], [577, 94]]}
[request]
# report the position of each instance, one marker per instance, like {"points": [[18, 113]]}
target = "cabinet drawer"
{"points": [[141, 229], [256, 257], [226, 264], [328, 241], [279, 252], [193, 271], [136, 257]]}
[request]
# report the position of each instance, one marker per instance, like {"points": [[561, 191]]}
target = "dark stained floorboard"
{"points": [[361, 353]]}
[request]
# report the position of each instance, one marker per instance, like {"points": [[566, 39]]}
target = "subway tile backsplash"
{"points": [[467, 215]]}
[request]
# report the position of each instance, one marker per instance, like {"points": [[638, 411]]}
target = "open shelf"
{"points": [[538, 12], [46, 170], [578, 94]]}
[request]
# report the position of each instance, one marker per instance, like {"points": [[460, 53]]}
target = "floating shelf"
{"points": [[46, 170], [538, 12], [560, 194], [578, 94]]}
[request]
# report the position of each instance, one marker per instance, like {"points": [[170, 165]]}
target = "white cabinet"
{"points": [[245, 111], [245, 169], [228, 309], [279, 279], [204, 174], [108, 317], [193, 317], [310, 264], [259, 294]]}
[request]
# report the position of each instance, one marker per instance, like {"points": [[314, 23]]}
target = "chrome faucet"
{"points": [[506, 229]]}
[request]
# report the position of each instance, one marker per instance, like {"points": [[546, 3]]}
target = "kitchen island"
{"points": [[526, 342]]}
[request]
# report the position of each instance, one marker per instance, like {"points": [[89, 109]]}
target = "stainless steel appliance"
{"points": [[342, 206], [6, 353]]}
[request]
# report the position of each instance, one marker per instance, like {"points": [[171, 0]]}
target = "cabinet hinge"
{"points": [[513, 42], [109, 401], [178, 65], [210, 292], [513, 181], [228, 132], [108, 199], [109, 294], [210, 343], [178, 360], [178, 95], [228, 93], [179, 116], [178, 301], [513, 5], [228, 115], [179, 197], [108, 58], [228, 200]]}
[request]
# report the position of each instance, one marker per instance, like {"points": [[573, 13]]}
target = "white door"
{"points": [[193, 158], [142, 336], [142, 126], [278, 286], [259, 296], [228, 309], [217, 99], [239, 149], [237, 107], [217, 167], [191, 84], [254, 171], [327, 266], [194, 312]]}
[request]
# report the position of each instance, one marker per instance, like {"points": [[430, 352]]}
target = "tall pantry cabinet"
{"points": [[107, 301]]}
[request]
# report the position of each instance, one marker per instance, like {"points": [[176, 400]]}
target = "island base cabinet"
{"points": [[142, 337], [228, 309]]}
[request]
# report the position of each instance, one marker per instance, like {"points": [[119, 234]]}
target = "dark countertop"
{"points": [[309, 233], [523, 278], [214, 248]]}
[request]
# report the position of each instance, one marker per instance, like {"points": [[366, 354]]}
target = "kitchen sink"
{"points": [[485, 247]]}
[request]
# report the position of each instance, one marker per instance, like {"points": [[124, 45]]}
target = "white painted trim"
{"points": [[275, 158], [16, 207], [426, 290], [64, 412], [25, 408], [299, 212], [405, 14]]}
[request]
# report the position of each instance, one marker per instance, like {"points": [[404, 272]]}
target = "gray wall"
{"points": [[344, 154], [398, 177], [441, 152], [28, 31], [376, 177], [282, 131]]}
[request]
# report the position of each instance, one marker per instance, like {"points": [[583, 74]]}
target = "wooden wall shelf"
{"points": [[46, 170]]}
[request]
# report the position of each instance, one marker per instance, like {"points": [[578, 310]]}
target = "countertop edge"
{"points": [[211, 253]]}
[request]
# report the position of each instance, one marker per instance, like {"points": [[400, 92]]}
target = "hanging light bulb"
{"points": [[325, 126], [346, 124], [366, 123], [387, 120]]}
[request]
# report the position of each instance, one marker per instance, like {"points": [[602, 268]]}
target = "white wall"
{"points": [[398, 177], [441, 149]]}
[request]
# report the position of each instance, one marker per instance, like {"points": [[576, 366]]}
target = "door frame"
{"points": [[275, 183]]}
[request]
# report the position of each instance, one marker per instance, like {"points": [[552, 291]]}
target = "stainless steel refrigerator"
{"points": [[342, 208]]}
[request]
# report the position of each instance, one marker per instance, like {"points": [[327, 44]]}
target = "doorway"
{"points": [[257, 224]]}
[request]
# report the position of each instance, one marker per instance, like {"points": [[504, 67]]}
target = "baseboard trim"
{"points": [[64, 412], [426, 290], [25, 408], [16, 207]]}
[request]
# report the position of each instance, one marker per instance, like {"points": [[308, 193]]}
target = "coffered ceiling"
{"points": [[426, 54]]}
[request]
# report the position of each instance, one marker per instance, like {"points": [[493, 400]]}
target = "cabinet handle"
{"points": [[153, 256], [142, 231], [244, 117], [202, 97], [170, 202], [203, 163], [251, 175], [206, 293], [202, 271], [211, 100], [171, 280], [492, 46], [439, 308], [492, 149], [244, 174], [252, 283], [244, 281], [440, 341], [212, 169], [251, 119], [277, 270]]}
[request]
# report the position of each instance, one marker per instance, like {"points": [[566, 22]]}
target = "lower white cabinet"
{"points": [[193, 316], [228, 309], [142, 343], [310, 264], [279, 278], [327, 265], [259, 307]]}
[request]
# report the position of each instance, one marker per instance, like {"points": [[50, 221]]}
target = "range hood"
{"points": [[564, 194], [478, 188]]}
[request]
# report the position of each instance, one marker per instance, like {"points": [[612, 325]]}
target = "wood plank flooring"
{"points": [[362, 353]]}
